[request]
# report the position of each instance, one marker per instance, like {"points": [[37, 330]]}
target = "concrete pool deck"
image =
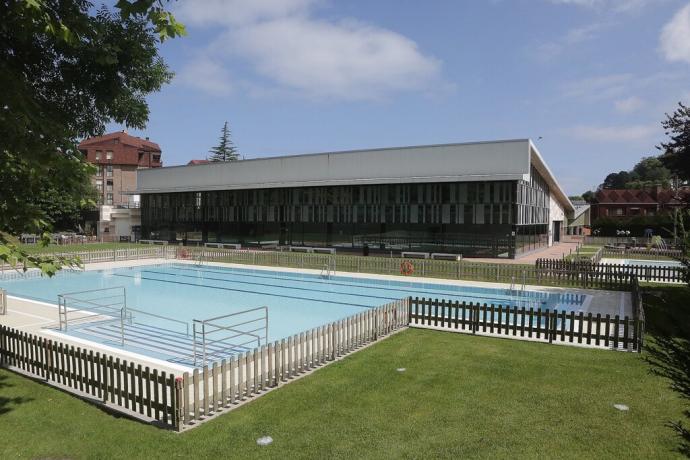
{"points": [[41, 318]]}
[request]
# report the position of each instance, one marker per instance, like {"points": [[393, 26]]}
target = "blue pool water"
{"points": [[296, 302]]}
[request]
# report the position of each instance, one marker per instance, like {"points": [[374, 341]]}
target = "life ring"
{"points": [[184, 254], [406, 268]]}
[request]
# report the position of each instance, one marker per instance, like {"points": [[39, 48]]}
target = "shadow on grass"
{"points": [[668, 346], [8, 404]]}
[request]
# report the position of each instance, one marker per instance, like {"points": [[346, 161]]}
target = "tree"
{"points": [[619, 180], [650, 172], [65, 72], [588, 196], [225, 150], [676, 152]]}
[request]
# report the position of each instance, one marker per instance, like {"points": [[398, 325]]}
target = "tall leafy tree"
{"points": [[65, 72], [225, 150], [676, 151]]}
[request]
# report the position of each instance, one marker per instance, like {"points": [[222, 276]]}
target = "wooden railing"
{"points": [[116, 383], [224, 384], [598, 273], [550, 326]]}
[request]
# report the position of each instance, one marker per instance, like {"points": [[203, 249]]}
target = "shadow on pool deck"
{"points": [[668, 347]]}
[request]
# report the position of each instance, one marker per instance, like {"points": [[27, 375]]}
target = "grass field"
{"points": [[461, 396]]}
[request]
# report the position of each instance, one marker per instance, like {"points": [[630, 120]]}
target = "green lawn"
{"points": [[461, 396]]}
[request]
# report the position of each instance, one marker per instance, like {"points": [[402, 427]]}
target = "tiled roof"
{"points": [[642, 196], [198, 162], [124, 138], [618, 196]]}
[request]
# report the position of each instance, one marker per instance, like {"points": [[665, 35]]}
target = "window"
{"points": [[109, 185], [98, 155], [109, 171], [109, 198], [156, 158], [109, 155], [100, 171], [619, 211]]}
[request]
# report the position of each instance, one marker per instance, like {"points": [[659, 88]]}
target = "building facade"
{"points": [[493, 199], [118, 156]]}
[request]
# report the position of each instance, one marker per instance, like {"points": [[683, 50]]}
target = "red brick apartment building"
{"points": [[627, 203], [118, 156]]}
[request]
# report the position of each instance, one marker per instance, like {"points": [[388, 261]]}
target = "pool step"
{"points": [[175, 346]]}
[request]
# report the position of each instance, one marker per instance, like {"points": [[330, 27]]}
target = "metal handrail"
{"points": [[91, 290], [231, 314], [184, 323], [214, 327], [64, 307]]}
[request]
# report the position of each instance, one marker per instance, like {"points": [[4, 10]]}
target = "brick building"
{"points": [[626, 203], [118, 156]]}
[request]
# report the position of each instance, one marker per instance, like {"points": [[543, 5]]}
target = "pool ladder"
{"points": [[513, 288], [328, 270]]}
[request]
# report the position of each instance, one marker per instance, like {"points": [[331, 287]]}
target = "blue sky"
{"points": [[593, 78]]}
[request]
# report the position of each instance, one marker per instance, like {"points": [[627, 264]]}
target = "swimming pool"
{"points": [[651, 263], [295, 301]]}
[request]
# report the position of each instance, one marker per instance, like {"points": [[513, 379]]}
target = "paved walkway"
{"points": [[554, 252]]}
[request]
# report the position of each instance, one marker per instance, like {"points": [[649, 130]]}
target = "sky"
{"points": [[588, 80]]}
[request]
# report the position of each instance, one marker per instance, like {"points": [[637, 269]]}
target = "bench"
{"points": [[223, 245], [300, 249], [444, 256], [153, 242], [415, 255], [324, 250]]}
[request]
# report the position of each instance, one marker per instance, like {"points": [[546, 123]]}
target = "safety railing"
{"points": [[128, 317], [90, 305], [217, 337]]}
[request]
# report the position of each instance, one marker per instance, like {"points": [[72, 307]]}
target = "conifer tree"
{"points": [[225, 150]]}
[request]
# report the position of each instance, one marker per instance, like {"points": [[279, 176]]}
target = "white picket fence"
{"points": [[223, 385], [105, 255]]}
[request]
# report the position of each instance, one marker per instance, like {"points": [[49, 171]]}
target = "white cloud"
{"points": [[287, 46], [574, 36], [348, 60], [633, 133], [207, 75], [234, 12], [621, 6], [629, 104], [602, 87], [618, 86], [675, 37]]}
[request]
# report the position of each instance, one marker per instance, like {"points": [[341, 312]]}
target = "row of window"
{"points": [[108, 155], [108, 171], [472, 193], [533, 200], [426, 214]]}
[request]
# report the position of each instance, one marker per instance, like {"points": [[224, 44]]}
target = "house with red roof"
{"points": [[627, 203], [118, 156]]}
